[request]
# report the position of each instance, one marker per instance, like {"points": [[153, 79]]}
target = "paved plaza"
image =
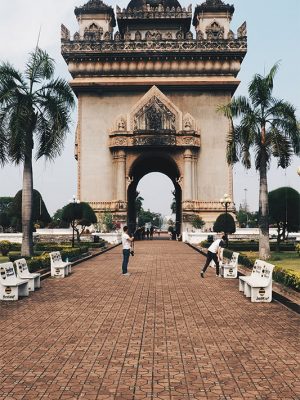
{"points": [[160, 333]]}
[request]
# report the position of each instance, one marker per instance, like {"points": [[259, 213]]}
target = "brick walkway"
{"points": [[160, 333]]}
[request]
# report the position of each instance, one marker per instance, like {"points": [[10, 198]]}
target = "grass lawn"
{"points": [[285, 259], [3, 259]]}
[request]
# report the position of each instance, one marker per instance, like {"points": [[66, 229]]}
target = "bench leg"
{"points": [[31, 285], [241, 285], [9, 293], [247, 290], [24, 289], [37, 282], [261, 295], [230, 272]]}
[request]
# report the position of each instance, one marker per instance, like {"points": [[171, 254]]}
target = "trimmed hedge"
{"points": [[253, 246], [43, 261]]}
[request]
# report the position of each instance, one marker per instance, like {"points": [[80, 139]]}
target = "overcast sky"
{"points": [[273, 34]]}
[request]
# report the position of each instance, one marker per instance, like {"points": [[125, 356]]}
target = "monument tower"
{"points": [[148, 88]]}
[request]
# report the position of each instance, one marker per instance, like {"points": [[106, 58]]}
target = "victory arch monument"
{"points": [[148, 87]]}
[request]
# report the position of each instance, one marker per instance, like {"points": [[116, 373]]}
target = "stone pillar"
{"points": [[121, 179], [188, 176]]}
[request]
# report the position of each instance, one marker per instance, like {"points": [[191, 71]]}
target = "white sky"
{"points": [[273, 34]]}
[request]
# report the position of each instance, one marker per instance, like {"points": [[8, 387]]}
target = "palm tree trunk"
{"points": [[264, 244], [27, 200]]}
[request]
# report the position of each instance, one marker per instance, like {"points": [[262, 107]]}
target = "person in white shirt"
{"points": [[213, 253], [126, 243]]}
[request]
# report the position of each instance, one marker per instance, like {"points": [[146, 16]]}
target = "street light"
{"points": [[225, 201], [74, 201]]}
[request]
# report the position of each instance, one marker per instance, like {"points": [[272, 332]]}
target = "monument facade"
{"points": [[148, 90]]}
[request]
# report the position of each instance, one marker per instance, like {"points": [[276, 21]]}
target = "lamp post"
{"points": [[74, 201], [225, 201]]}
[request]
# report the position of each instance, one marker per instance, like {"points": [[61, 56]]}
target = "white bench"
{"points": [[34, 279], [59, 268], [258, 286], [256, 271], [11, 287], [230, 270]]}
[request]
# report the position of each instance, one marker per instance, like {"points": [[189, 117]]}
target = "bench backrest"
{"points": [[55, 257], [234, 259], [267, 271], [257, 268], [21, 265], [7, 271]]}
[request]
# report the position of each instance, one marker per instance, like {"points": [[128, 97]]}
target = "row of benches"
{"points": [[17, 282], [257, 285]]}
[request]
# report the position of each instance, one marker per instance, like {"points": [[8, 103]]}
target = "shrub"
{"points": [[5, 247], [224, 223], [287, 277]]}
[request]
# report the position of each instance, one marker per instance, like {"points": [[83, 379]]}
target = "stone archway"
{"points": [[153, 162]]}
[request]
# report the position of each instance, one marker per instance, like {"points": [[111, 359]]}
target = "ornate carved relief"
{"points": [[65, 33], [93, 33], [155, 110], [214, 31], [117, 36], [189, 123], [154, 116], [169, 140], [230, 35], [242, 31]]}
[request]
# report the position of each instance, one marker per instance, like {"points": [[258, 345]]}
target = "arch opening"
{"points": [[144, 165]]}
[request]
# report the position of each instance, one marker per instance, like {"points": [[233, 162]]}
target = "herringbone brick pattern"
{"points": [[160, 333]]}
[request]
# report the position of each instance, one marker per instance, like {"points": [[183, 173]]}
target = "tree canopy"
{"points": [[79, 216], [34, 112], [269, 127], [40, 215], [284, 209], [224, 223]]}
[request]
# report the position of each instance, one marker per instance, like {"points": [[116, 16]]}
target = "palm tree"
{"points": [[269, 127], [34, 108]]}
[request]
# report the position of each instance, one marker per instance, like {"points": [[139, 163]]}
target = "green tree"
{"points": [[4, 220], [269, 126], [34, 109], [284, 208], [224, 223], [79, 216], [57, 221], [197, 222], [108, 221], [144, 217], [5, 203], [138, 203], [40, 213]]}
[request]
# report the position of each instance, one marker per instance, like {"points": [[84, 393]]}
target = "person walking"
{"points": [[213, 253], [126, 244]]}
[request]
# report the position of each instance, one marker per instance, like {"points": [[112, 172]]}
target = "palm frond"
{"points": [[39, 67], [3, 139], [281, 147]]}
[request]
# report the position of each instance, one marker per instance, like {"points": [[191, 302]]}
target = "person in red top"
{"points": [[213, 253]]}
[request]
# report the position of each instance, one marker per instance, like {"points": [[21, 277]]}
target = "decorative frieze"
{"points": [[112, 206], [154, 140], [198, 206], [108, 46]]}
